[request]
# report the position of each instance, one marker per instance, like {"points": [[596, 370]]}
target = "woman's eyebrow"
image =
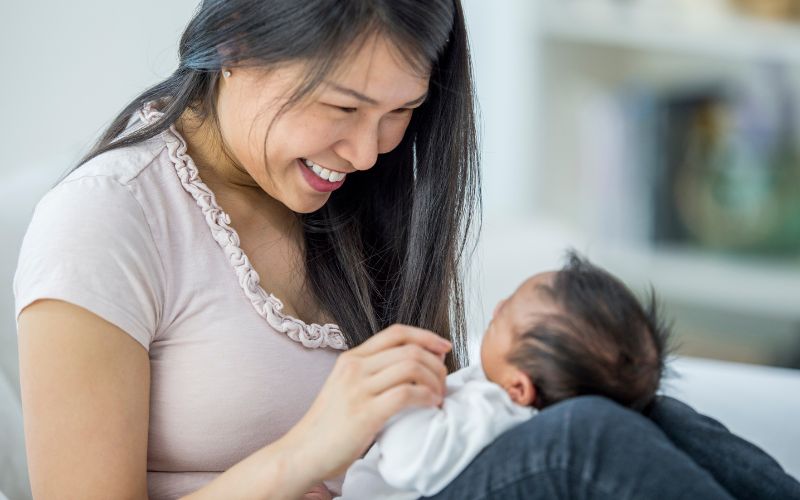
{"points": [[369, 100]]}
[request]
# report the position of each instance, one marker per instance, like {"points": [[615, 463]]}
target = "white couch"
{"points": [[760, 403]]}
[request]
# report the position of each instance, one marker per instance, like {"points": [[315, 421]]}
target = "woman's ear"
{"points": [[521, 388]]}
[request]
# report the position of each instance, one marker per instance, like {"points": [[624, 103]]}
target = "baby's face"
{"points": [[511, 317]]}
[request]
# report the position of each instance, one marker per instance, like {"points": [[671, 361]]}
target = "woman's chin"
{"points": [[307, 205]]}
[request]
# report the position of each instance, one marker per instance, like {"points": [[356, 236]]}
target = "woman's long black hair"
{"points": [[390, 245]]}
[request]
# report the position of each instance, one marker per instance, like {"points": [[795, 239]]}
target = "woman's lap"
{"points": [[739, 466], [583, 448]]}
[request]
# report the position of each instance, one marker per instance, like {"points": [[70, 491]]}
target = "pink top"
{"points": [[137, 238]]}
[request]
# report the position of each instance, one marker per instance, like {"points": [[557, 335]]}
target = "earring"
{"points": [[226, 73]]}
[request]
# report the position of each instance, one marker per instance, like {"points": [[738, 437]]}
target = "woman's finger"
{"points": [[397, 335], [403, 372], [318, 492], [400, 397], [427, 361]]}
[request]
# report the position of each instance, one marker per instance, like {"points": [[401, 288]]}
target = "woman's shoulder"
{"points": [[89, 242], [127, 163], [122, 165], [107, 197]]}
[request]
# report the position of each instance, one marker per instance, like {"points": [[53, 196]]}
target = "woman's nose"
{"points": [[360, 145]]}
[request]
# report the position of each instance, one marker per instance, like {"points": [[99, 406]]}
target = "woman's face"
{"points": [[357, 113]]}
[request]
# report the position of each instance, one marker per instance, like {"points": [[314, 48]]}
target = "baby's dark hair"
{"points": [[603, 341]]}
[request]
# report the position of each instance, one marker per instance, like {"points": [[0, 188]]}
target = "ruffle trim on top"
{"points": [[267, 305]]}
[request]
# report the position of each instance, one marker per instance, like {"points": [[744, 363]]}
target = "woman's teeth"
{"points": [[323, 172]]}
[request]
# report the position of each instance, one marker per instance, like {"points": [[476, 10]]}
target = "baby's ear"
{"points": [[521, 388]]}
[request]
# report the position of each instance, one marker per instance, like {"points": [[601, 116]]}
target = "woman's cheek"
{"points": [[392, 134], [311, 127], [324, 131]]}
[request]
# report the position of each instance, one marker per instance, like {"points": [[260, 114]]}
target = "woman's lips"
{"points": [[317, 183]]}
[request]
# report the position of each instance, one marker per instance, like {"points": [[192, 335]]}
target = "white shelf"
{"points": [[513, 250], [752, 286], [727, 36]]}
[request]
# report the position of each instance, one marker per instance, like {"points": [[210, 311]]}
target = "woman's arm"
{"points": [[273, 472], [85, 399], [397, 368], [85, 395]]}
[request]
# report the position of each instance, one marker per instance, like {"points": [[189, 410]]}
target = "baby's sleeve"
{"points": [[90, 244]]}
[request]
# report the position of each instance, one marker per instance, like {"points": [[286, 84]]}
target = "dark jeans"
{"points": [[591, 448]]}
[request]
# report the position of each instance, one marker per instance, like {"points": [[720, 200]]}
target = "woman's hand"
{"points": [[397, 368]]}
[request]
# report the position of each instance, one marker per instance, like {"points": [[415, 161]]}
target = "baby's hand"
{"points": [[318, 492]]}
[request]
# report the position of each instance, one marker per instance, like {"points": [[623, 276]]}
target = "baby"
{"points": [[561, 334]]}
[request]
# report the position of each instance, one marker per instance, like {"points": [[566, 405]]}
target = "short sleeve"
{"points": [[90, 244]]}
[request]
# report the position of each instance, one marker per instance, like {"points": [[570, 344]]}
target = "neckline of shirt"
{"points": [[267, 305]]}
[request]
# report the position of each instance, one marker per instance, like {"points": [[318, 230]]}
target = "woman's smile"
{"points": [[319, 178], [324, 172]]}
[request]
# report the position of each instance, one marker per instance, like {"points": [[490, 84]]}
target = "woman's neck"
{"points": [[205, 148], [235, 190]]}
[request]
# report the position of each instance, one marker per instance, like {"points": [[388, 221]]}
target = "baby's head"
{"points": [[574, 332]]}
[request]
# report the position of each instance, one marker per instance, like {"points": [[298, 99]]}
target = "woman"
{"points": [[214, 303]]}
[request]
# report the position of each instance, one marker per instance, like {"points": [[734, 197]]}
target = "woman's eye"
{"points": [[343, 109]]}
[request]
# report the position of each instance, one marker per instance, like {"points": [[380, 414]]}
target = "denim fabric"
{"points": [[739, 466], [586, 448]]}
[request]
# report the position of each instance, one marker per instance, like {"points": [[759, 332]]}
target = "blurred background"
{"points": [[661, 138]]}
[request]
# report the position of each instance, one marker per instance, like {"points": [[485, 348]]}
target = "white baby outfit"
{"points": [[421, 450]]}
